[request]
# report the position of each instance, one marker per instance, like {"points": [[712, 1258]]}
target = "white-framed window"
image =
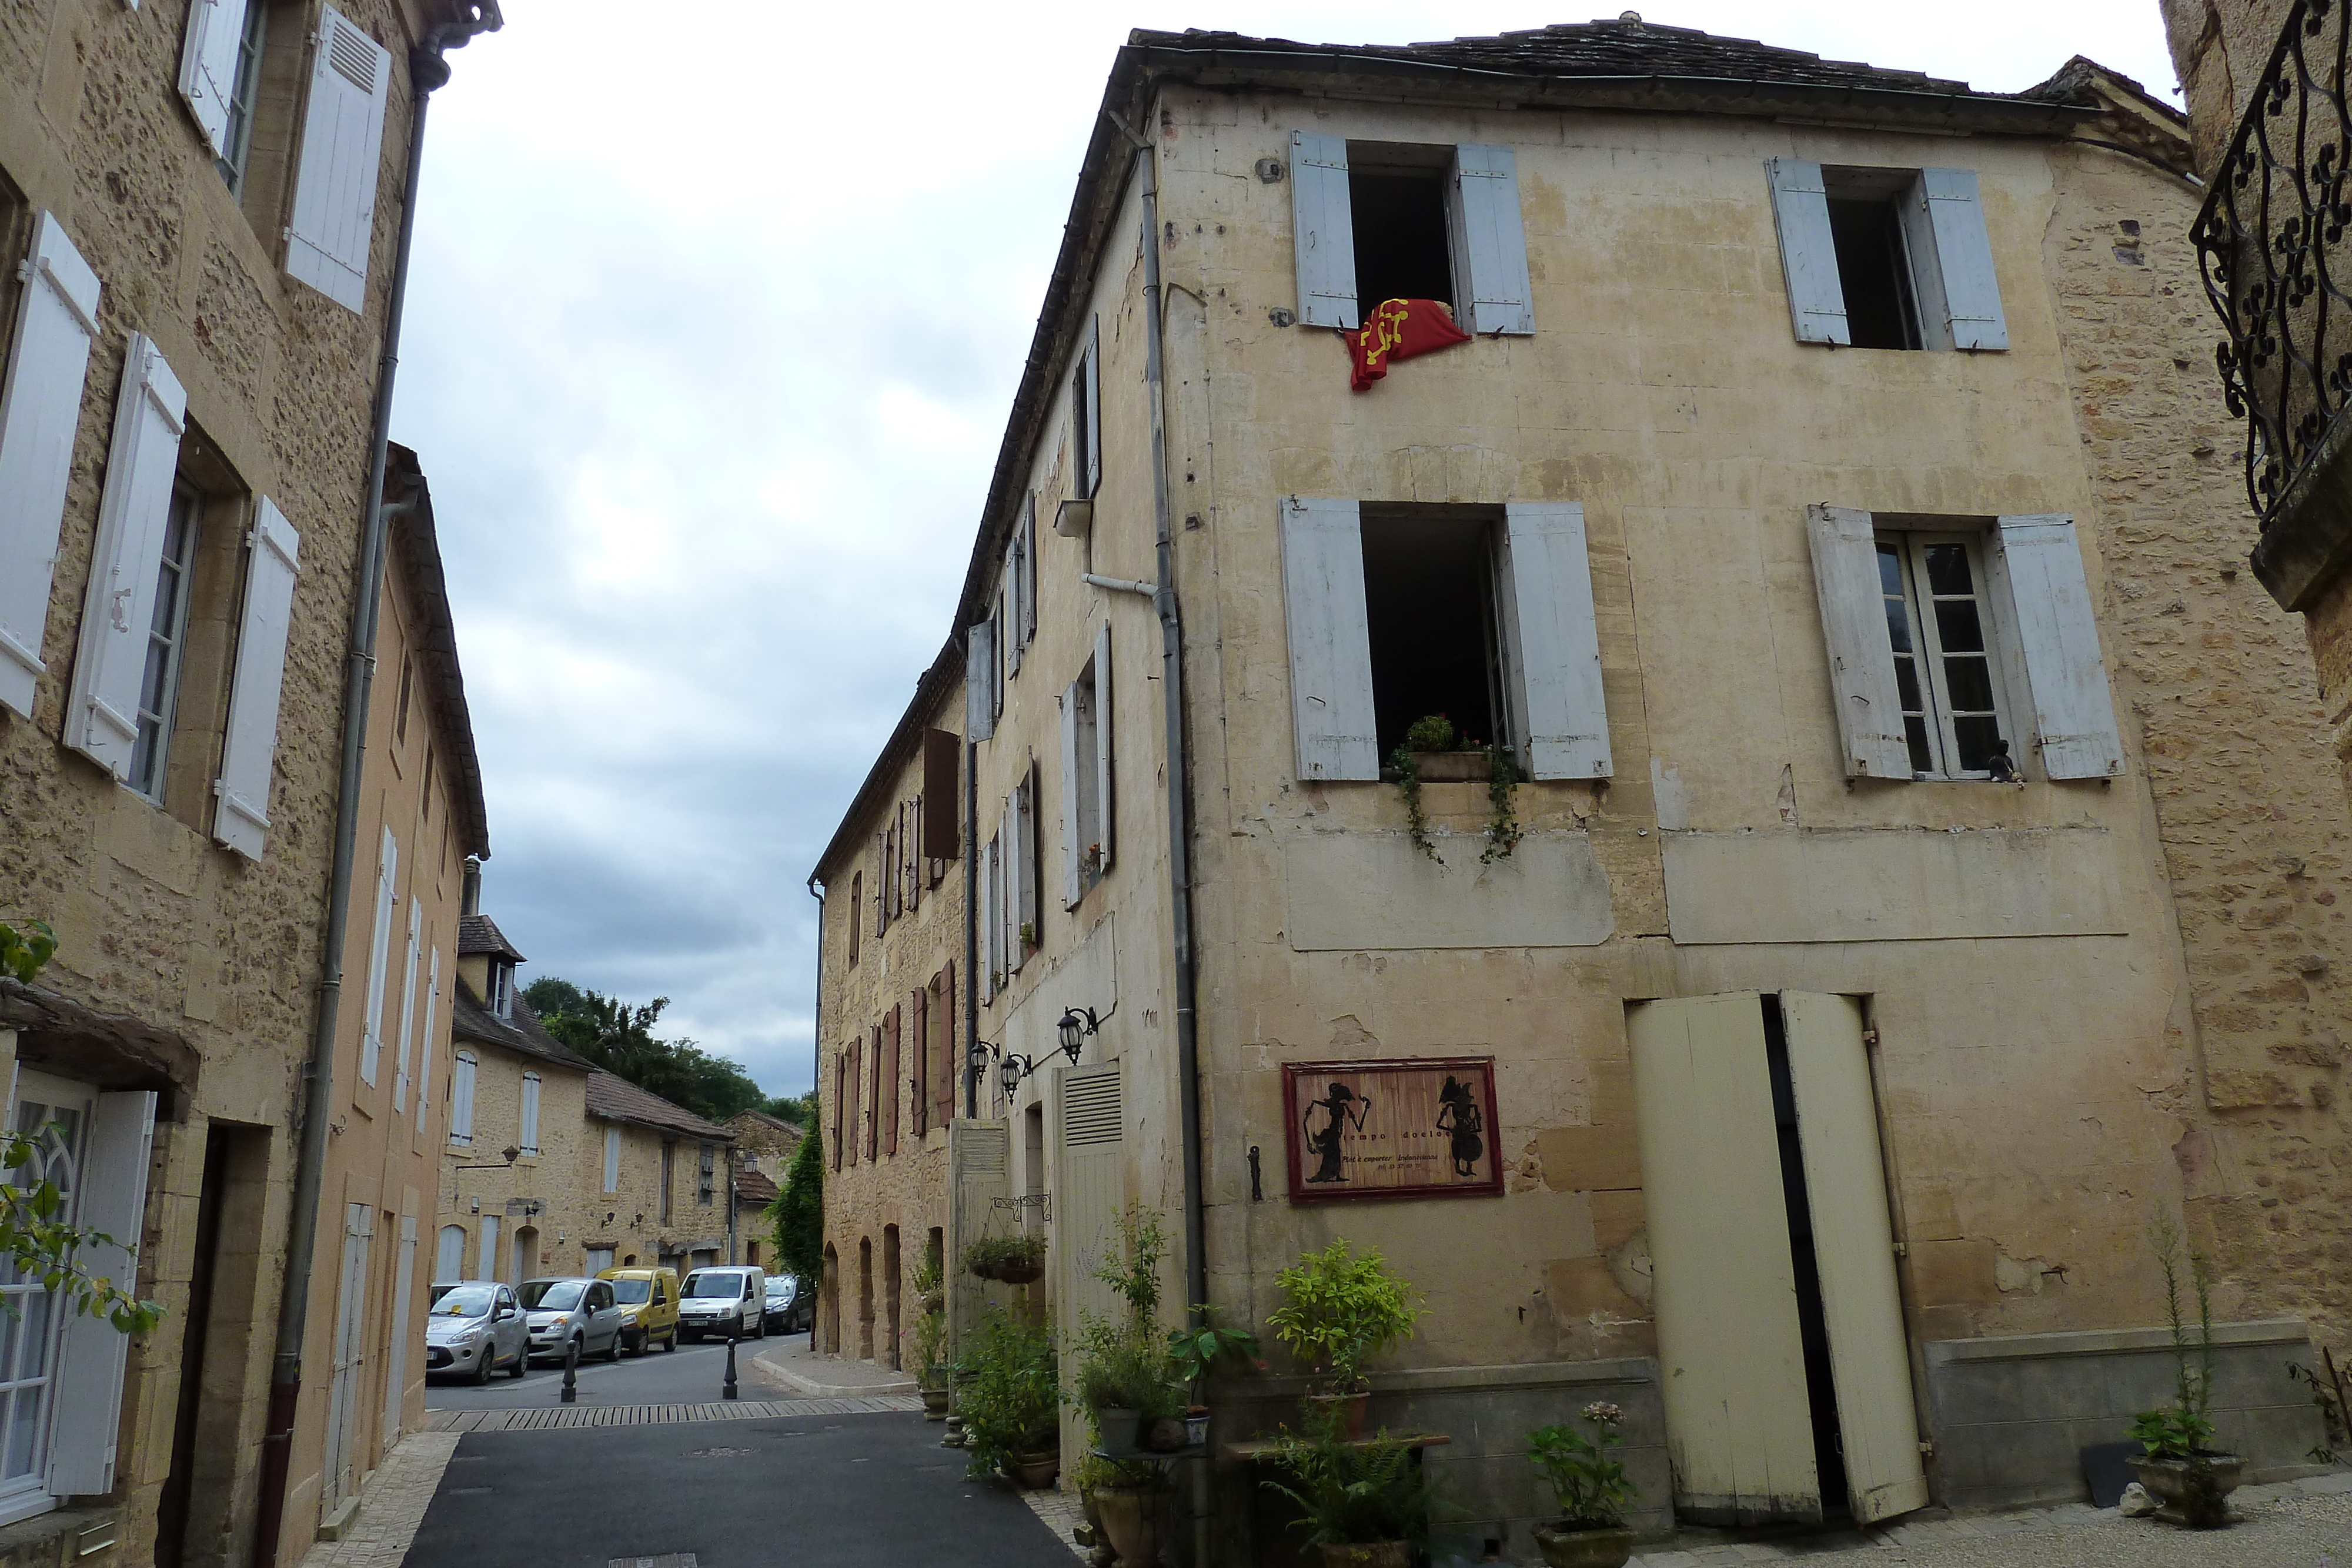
{"points": [[611, 1159], [529, 1137], [501, 997], [1375, 221], [1088, 817], [1962, 648], [1887, 259], [167, 636], [461, 1101]]}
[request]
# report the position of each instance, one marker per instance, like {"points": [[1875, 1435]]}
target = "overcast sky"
{"points": [[716, 316]]}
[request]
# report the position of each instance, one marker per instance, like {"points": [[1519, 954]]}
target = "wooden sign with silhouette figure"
{"points": [[1416, 1127]]}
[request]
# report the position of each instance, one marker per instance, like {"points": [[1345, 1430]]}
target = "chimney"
{"points": [[470, 901]]}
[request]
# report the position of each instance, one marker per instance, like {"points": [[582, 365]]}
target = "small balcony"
{"points": [[2271, 241]]}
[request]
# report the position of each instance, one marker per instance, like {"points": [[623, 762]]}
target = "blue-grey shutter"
{"points": [[2040, 566], [1029, 568], [1560, 720], [1323, 229], [1951, 262], [1801, 210], [1490, 243], [1331, 639], [1074, 844], [980, 681], [1091, 389], [1861, 654], [1106, 799]]}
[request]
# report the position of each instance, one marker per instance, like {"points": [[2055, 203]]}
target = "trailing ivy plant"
{"points": [[1433, 732], [1502, 830]]}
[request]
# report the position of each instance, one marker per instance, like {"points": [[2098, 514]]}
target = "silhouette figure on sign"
{"points": [[1326, 1143], [1460, 1117]]}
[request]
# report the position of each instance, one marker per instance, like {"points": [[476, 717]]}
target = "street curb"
{"points": [[828, 1390]]}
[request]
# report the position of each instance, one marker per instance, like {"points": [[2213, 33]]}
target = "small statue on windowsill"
{"points": [[2000, 765]]}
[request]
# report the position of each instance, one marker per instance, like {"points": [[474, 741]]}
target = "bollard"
{"points": [[731, 1333], [572, 1372]]}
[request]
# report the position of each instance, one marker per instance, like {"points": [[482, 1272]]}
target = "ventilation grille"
{"points": [[984, 1156], [353, 57], [1090, 1111]]}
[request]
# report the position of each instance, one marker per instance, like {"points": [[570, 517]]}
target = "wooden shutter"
{"points": [[1800, 209], [1089, 1189], [855, 1126], [1862, 656], [1029, 567], [241, 816], [1106, 793], [1853, 1249], [387, 871], [208, 60], [886, 1082], [403, 1288], [1016, 870], [461, 1098], [979, 680], [428, 1047], [1073, 885], [1093, 393], [1951, 262], [1559, 718], [1009, 603], [86, 1402], [529, 1129], [918, 1080], [1739, 1434], [1330, 642], [1323, 229], [342, 138], [407, 1005], [41, 411], [979, 1172], [943, 779], [1026, 910], [1490, 243], [948, 1071], [840, 1105], [102, 720], [2039, 570]]}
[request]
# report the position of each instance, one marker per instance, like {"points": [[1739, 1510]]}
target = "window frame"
{"points": [[30, 1495], [253, 43], [150, 755], [1931, 673]]}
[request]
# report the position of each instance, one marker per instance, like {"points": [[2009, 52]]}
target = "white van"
{"points": [[725, 1302]]}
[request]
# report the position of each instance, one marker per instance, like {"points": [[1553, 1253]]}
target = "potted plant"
{"points": [[1124, 1381], [931, 1337], [1009, 1260], [1341, 1308], [1123, 1501], [2181, 1468], [1590, 1484], [1365, 1504], [1012, 1404], [1199, 1349]]}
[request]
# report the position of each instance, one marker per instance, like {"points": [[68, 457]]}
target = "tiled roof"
{"points": [[754, 1190], [616, 1099], [480, 933], [418, 547], [471, 1020]]}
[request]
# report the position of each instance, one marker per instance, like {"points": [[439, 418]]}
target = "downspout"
{"points": [[970, 928], [817, 1112], [426, 71]]}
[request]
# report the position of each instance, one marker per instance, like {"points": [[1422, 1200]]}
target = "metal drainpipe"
{"points": [[427, 71], [816, 1116], [970, 925]]}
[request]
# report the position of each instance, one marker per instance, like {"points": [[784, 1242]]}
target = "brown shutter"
{"points": [[855, 1125], [886, 1084], [856, 912], [918, 1099], [840, 1095], [943, 1082], [873, 1097], [942, 770]]}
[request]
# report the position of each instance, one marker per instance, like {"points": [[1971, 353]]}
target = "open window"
{"points": [[1887, 259], [1481, 614], [1087, 795], [1374, 221]]}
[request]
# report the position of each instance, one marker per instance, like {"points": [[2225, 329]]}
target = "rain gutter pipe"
{"points": [[816, 1100], [426, 71]]}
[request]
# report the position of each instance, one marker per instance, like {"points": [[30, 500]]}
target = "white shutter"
{"points": [[978, 1181], [1029, 568], [1559, 718], [2041, 564], [88, 1398], [611, 1159], [1008, 880], [992, 918], [1862, 656], [488, 1262], [450, 1264], [461, 1099], [529, 1139], [242, 816], [1025, 851], [424, 1045], [1490, 243], [40, 410], [1323, 229], [1074, 885], [1106, 792], [208, 59], [407, 1006], [1800, 209], [1330, 642], [980, 681], [342, 139], [1092, 390], [102, 719], [379, 959], [1016, 568], [404, 1286], [1951, 262], [1089, 1188]]}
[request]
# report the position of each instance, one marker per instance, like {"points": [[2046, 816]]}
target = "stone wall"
{"points": [[637, 1228], [551, 1178]]}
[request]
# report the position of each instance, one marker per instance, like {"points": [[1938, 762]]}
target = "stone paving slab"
{"points": [[563, 1417], [793, 1366], [391, 1507]]}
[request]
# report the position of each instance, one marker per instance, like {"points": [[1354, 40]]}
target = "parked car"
{"points": [[725, 1303], [787, 1311], [648, 1299], [565, 1312], [473, 1328]]}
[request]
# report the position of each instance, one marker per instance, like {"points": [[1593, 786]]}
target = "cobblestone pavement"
{"points": [[1062, 1513], [391, 1507]]}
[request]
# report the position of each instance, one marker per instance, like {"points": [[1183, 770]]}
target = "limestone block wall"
{"points": [[638, 1227], [550, 1179]]}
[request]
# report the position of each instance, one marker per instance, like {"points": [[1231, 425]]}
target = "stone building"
{"points": [[199, 213], [1924, 867], [654, 1176], [764, 1147]]}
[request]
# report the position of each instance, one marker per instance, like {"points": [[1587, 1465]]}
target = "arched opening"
{"points": [[526, 1253], [865, 1298], [890, 1290], [829, 1303]]}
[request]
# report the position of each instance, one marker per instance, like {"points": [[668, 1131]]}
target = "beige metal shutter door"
{"points": [[979, 1172], [1853, 1248], [1739, 1428], [1089, 1189]]}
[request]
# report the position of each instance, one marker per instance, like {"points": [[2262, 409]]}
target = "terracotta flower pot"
{"points": [[1035, 1473], [1350, 1408], [2174, 1483], [1564, 1546], [1367, 1554], [1130, 1518]]}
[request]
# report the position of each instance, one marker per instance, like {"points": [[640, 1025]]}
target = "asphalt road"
{"points": [[738, 1494], [690, 1371]]}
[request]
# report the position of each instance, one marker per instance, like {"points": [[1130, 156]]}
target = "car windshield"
{"points": [[552, 1296], [714, 1284], [780, 1287], [464, 1302], [629, 1292]]}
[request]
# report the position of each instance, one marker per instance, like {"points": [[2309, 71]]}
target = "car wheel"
{"points": [[482, 1367], [612, 1348], [671, 1343], [522, 1364], [762, 1332]]}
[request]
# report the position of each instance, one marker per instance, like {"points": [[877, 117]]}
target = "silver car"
{"points": [[573, 1310], [473, 1328]]}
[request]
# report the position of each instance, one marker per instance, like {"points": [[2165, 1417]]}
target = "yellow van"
{"points": [[648, 1302]]}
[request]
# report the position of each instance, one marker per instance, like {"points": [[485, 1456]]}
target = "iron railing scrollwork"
{"points": [[2268, 242]]}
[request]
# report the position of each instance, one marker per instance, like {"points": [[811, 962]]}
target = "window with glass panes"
{"points": [[1938, 620], [159, 686], [54, 1118], [239, 138]]}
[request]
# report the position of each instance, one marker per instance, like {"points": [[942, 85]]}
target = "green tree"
{"points": [[798, 1214], [800, 1110], [619, 1036]]}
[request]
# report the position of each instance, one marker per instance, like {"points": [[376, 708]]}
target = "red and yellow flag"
{"points": [[1399, 329]]}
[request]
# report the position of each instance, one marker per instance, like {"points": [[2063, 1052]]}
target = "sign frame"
{"points": [[1294, 1073]]}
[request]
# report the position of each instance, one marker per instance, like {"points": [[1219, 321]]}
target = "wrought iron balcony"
{"points": [[2271, 240]]}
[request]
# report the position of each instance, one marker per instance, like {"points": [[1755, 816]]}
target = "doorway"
{"points": [[1787, 1372], [351, 1352], [526, 1252], [890, 1290]]}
